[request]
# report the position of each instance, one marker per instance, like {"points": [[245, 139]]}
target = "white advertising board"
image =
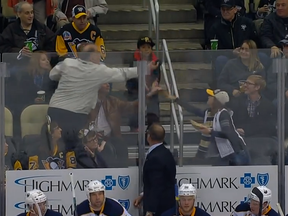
{"points": [[286, 187], [121, 184], [219, 189]]}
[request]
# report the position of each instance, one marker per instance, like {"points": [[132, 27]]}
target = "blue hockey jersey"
{"points": [[196, 212], [244, 210], [111, 208], [48, 213]]}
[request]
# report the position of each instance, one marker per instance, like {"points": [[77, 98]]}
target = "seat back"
{"points": [[8, 123], [32, 119], [7, 11]]}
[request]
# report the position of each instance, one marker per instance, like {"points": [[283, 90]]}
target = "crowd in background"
{"points": [[242, 69]]}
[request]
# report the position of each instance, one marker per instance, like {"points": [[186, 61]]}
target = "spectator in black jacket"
{"points": [[88, 152], [231, 31], [214, 13], [275, 28], [271, 92], [265, 8], [253, 114], [240, 68], [26, 29]]}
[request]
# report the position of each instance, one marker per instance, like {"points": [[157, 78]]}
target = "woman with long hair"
{"points": [[36, 78], [240, 68]]}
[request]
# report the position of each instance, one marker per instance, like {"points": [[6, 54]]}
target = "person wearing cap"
{"points": [[213, 8], [274, 28], [207, 115], [144, 51], [79, 31], [253, 114], [187, 197], [252, 205], [227, 146], [230, 31], [63, 15]]}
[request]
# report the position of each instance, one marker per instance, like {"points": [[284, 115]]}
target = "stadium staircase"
{"points": [[126, 22]]}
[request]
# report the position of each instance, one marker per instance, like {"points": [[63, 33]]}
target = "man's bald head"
{"points": [[89, 52], [156, 133]]}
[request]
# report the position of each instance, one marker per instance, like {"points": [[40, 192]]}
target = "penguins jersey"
{"points": [[111, 207], [196, 212], [48, 213], [244, 210], [69, 37], [60, 159]]}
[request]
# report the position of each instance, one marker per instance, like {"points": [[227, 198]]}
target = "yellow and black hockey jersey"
{"points": [[59, 159], [69, 37]]}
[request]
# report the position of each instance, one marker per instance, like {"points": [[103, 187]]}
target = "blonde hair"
{"points": [[34, 67], [258, 80], [254, 62]]}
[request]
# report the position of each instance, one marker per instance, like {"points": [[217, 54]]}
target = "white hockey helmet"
{"points": [[35, 197], [187, 190], [267, 194], [94, 186]]}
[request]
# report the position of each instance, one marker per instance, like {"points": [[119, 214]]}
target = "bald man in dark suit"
{"points": [[159, 173]]}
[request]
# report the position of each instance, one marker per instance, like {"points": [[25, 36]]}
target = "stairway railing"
{"points": [[173, 90], [154, 16]]}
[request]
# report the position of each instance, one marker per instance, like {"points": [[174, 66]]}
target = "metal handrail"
{"points": [[154, 16], [179, 126]]}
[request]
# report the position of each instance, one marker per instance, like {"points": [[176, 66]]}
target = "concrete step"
{"points": [[167, 31], [140, 2], [191, 73], [136, 14], [125, 46]]}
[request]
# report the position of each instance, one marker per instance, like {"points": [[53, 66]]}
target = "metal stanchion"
{"points": [[142, 71], [3, 74], [280, 67]]}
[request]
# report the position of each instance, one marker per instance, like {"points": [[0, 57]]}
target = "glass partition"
{"points": [[71, 115], [75, 117]]}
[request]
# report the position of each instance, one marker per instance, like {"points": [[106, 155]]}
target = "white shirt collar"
{"points": [[153, 147]]}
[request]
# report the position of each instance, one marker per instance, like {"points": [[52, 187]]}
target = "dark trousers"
{"points": [[70, 123]]}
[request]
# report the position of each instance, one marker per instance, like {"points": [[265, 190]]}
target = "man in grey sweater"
{"points": [[79, 81]]}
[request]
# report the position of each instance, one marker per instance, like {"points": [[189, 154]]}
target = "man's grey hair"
{"points": [[18, 6]]}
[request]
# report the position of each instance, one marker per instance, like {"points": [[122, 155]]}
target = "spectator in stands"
{"points": [[274, 28], [36, 78], [208, 117], [79, 79], [272, 76], [44, 152], [107, 118], [9, 151], [233, 151], [253, 114], [231, 31], [79, 31], [213, 8], [240, 68], [265, 8], [94, 8], [144, 52], [88, 152], [42, 8], [26, 29]]}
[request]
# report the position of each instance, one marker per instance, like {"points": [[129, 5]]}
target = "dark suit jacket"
{"points": [[159, 175]]}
